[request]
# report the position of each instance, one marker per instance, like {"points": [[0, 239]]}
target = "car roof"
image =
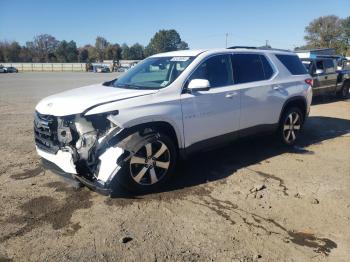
{"points": [[188, 52], [197, 52]]}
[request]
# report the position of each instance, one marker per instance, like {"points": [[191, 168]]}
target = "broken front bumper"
{"points": [[75, 179], [62, 164]]}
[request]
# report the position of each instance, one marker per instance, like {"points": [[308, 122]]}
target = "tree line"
{"points": [[328, 32], [46, 48], [323, 32]]}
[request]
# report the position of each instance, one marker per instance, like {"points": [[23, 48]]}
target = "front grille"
{"points": [[45, 132]]}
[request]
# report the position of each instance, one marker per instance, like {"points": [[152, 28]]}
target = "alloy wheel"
{"points": [[150, 164], [291, 127]]}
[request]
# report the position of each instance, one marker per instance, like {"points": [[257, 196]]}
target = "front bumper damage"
{"points": [[63, 165], [76, 179], [80, 150]]}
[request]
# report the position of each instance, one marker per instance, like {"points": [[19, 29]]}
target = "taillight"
{"points": [[309, 81]]}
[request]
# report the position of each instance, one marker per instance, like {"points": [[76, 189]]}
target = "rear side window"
{"points": [[247, 68], [293, 64]]}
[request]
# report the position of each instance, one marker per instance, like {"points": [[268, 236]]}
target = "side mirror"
{"points": [[198, 85], [319, 71]]}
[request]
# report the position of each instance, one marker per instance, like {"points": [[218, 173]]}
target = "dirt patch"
{"points": [[72, 229], [28, 173], [270, 176], [46, 209], [227, 210], [5, 259], [320, 245]]}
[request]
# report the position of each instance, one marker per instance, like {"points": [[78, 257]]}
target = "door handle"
{"points": [[231, 95], [276, 87]]}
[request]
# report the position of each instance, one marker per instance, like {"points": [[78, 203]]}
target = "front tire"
{"points": [[290, 126], [150, 167]]}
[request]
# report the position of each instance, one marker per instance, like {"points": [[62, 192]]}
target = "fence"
{"points": [[48, 67], [64, 67]]}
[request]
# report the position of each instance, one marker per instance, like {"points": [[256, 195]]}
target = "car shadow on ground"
{"points": [[220, 163], [326, 99]]}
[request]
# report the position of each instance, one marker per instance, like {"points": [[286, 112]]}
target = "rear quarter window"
{"points": [[293, 64], [268, 71]]}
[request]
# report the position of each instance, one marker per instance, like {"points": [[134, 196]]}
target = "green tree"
{"points": [[101, 45], [10, 51], [66, 52], [136, 52], [125, 52], [324, 32], [183, 46], [113, 52], [93, 56], [83, 55], [165, 41], [346, 36], [25, 55], [2, 58]]}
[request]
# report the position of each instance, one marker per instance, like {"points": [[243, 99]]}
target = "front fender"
{"points": [[126, 124]]}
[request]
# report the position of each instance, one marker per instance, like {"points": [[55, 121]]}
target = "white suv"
{"points": [[132, 130]]}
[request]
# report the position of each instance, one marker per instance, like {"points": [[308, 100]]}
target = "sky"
{"points": [[202, 24]]}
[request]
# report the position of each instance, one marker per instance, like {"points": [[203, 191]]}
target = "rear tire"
{"points": [[344, 92], [290, 125], [150, 168]]}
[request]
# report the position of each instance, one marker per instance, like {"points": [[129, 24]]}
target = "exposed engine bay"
{"points": [[92, 147]]}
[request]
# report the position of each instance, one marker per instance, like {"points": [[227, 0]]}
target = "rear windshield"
{"points": [[293, 64]]}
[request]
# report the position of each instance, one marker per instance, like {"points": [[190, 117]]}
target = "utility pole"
{"points": [[266, 43], [226, 39]]}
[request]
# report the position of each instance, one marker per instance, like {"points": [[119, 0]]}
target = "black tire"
{"points": [[344, 92], [126, 177], [289, 129]]}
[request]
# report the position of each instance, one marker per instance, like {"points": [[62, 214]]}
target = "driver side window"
{"points": [[217, 70]]}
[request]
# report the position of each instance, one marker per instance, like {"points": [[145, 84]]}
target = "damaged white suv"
{"points": [[131, 131]]}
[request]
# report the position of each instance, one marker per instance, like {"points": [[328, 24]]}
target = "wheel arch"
{"points": [[163, 126], [297, 101]]}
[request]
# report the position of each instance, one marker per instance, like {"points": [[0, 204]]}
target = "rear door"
{"points": [[259, 100]]}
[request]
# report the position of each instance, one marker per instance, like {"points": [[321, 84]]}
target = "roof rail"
{"points": [[258, 48], [274, 49], [245, 47]]}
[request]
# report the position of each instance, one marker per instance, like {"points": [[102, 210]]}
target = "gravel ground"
{"points": [[250, 201]]}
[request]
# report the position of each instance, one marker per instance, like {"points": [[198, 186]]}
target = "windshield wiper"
{"points": [[109, 83], [128, 86]]}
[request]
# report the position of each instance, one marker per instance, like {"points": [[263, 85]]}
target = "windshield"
{"points": [[154, 72]]}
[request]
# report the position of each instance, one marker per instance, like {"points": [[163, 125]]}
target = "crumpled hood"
{"points": [[77, 100]]}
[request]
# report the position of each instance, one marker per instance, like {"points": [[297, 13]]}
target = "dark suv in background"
{"points": [[326, 79]]}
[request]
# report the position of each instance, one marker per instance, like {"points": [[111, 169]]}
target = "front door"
{"points": [[212, 113], [327, 80]]}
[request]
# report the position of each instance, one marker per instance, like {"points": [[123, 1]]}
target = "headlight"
{"points": [[64, 134], [87, 140]]}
